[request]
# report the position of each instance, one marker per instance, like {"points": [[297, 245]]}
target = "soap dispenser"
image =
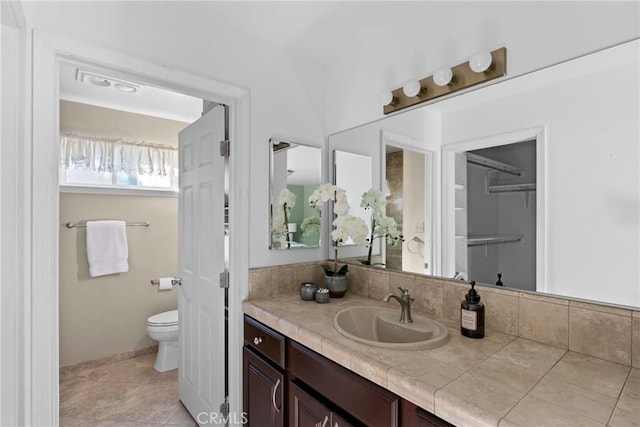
{"points": [[472, 314]]}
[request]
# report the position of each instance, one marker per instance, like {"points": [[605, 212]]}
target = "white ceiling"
{"points": [[319, 30], [147, 100], [322, 30]]}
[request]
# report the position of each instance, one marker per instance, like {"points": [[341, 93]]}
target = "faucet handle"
{"points": [[405, 292]]}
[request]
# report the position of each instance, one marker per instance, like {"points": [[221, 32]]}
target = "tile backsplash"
{"points": [[607, 332]]}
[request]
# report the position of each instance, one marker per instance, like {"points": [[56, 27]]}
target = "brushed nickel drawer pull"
{"points": [[257, 340], [273, 396]]}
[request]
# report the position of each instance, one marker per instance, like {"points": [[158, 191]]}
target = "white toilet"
{"points": [[163, 327]]}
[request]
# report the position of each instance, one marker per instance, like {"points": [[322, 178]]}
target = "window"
{"points": [[100, 162]]}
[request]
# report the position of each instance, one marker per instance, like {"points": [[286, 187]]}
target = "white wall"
{"points": [[592, 190], [287, 93], [13, 274], [536, 34]]}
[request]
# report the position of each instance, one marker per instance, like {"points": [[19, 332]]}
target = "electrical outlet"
{"points": [[419, 227]]}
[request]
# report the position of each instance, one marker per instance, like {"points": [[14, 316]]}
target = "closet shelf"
{"points": [[511, 188], [493, 164], [493, 239]]}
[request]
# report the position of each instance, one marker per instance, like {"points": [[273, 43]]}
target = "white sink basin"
{"points": [[381, 327]]}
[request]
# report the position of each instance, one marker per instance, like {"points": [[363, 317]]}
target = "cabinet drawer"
{"points": [[356, 396], [264, 341]]}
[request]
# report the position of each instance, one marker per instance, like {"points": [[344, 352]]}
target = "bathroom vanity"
{"points": [[314, 374], [285, 380]]}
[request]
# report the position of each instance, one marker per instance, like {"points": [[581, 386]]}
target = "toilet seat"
{"points": [[168, 318]]}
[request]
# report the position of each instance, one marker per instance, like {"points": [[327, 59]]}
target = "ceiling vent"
{"points": [[100, 80]]}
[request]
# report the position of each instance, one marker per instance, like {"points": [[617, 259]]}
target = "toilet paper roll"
{"points": [[165, 284]]}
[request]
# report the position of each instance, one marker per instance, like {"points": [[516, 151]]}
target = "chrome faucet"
{"points": [[405, 301]]}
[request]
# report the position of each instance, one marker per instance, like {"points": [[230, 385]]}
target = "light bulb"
{"points": [[443, 76], [97, 80], [412, 88], [385, 97], [480, 62], [123, 87]]}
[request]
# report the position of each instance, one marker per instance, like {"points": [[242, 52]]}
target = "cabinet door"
{"points": [[263, 392], [413, 416], [305, 410], [338, 421]]}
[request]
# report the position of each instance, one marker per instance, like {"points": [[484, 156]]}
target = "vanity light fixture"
{"points": [[386, 98], [480, 62], [412, 88], [443, 77], [481, 68]]}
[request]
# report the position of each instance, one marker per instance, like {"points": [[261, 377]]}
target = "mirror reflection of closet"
{"points": [[297, 168], [495, 215]]}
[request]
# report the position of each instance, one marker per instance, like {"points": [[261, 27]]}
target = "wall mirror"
{"points": [[295, 171], [579, 194]]}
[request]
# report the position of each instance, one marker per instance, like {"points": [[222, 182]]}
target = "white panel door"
{"points": [[202, 365]]}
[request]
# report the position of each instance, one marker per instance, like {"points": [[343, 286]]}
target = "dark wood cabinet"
{"points": [[307, 411], [286, 383], [413, 416], [354, 396], [263, 392], [264, 384]]}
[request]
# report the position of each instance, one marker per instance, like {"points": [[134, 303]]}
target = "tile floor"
{"points": [[128, 393]]}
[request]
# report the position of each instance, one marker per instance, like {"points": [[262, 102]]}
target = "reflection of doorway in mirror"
{"points": [[495, 208], [405, 183]]}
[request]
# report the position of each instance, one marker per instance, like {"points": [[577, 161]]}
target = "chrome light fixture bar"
{"points": [[462, 76]]}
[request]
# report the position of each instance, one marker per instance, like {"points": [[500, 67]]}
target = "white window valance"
{"points": [[87, 160]]}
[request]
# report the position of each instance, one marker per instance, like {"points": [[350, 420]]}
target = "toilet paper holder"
{"points": [[174, 281]]}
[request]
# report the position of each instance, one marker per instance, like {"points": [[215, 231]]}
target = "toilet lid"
{"points": [[168, 318]]}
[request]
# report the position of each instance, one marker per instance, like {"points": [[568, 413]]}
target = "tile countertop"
{"points": [[498, 380]]}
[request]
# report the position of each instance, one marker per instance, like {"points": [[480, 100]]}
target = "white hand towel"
{"points": [[107, 249]]}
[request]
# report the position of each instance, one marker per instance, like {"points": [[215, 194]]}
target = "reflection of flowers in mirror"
{"points": [[381, 224], [279, 229], [331, 192], [349, 226], [310, 225]]}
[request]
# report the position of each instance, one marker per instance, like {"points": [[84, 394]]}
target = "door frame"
{"points": [[431, 153], [449, 151], [42, 207]]}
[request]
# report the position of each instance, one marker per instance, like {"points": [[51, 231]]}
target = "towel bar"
{"points": [[129, 224]]}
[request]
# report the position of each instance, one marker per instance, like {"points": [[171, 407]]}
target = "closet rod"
{"points": [[493, 164], [129, 224]]}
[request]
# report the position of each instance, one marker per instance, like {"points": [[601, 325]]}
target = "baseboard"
{"points": [[65, 370]]}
